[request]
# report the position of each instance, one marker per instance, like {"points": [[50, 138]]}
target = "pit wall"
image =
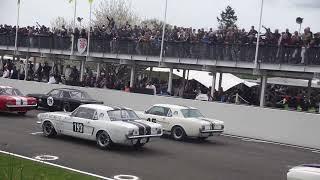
{"points": [[294, 128]]}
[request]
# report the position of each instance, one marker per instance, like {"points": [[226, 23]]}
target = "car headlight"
{"points": [[130, 133], [219, 126], [133, 132], [203, 127], [157, 131]]}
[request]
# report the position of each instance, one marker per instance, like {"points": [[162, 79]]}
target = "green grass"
{"points": [[13, 168]]}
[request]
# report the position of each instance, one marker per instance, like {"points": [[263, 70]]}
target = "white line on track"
{"points": [[270, 142], [317, 151], [56, 165], [36, 133]]}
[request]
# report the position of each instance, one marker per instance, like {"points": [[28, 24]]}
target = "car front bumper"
{"points": [[207, 133], [144, 136], [20, 108]]}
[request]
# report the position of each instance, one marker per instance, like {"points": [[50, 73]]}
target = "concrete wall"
{"points": [[296, 128]]}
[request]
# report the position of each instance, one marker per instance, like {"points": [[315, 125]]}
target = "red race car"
{"points": [[12, 100]]}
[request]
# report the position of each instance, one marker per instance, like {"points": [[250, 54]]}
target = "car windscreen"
{"points": [[191, 113], [10, 92], [79, 95], [122, 115]]}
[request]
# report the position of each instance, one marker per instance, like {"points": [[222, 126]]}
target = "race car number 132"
{"points": [[78, 127]]}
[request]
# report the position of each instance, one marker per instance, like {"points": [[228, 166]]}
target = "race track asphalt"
{"points": [[219, 158]]}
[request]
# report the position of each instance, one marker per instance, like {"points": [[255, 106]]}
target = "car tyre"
{"points": [[66, 107], [104, 141], [48, 129], [178, 133]]}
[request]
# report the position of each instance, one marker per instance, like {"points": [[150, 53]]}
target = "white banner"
{"points": [[82, 45]]}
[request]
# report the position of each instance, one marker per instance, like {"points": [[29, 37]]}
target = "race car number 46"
{"points": [[78, 127]]}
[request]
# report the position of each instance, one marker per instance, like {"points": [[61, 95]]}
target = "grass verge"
{"points": [[14, 168]]}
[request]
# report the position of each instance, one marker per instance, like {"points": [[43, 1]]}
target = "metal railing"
{"points": [[194, 50]]}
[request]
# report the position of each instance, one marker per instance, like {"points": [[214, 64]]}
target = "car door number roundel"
{"points": [[152, 120], [50, 101], [78, 127]]}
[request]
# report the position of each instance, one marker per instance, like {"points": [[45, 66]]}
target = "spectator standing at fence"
{"points": [[67, 74], [30, 71], [14, 73], [52, 79], [6, 72], [252, 31], [46, 71], [285, 46], [153, 87], [296, 43], [39, 73], [74, 76], [306, 39], [21, 69]]}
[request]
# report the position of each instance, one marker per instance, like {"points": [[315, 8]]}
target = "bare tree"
{"points": [[155, 24], [120, 10], [59, 21]]}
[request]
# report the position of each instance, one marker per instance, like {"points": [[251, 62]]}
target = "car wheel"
{"points": [[66, 107], [48, 129], [22, 113], [103, 140], [178, 133]]}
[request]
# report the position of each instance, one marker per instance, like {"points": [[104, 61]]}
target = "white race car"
{"points": [[181, 121], [103, 124], [304, 172]]}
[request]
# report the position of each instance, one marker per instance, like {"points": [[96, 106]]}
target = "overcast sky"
{"points": [[191, 13]]}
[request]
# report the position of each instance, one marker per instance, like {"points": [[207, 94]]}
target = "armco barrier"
{"points": [[295, 128]]}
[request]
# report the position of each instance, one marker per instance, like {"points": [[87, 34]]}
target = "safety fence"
{"points": [[195, 50]]}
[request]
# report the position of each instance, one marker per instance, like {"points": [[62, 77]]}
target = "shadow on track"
{"points": [[30, 114], [211, 141], [122, 149]]}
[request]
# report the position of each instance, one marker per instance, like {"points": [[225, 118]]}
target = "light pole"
{"points": [[258, 40], [163, 31], [74, 25], [17, 28]]}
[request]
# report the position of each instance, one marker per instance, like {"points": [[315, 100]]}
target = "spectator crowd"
{"points": [[277, 96], [225, 44], [228, 44]]}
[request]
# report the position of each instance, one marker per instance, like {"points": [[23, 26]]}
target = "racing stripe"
{"points": [[18, 100], [24, 100], [148, 128], [141, 128]]}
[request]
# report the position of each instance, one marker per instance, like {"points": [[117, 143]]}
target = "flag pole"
{"points": [[88, 49], [74, 26], [255, 70], [163, 32], [88, 46], [17, 28]]}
